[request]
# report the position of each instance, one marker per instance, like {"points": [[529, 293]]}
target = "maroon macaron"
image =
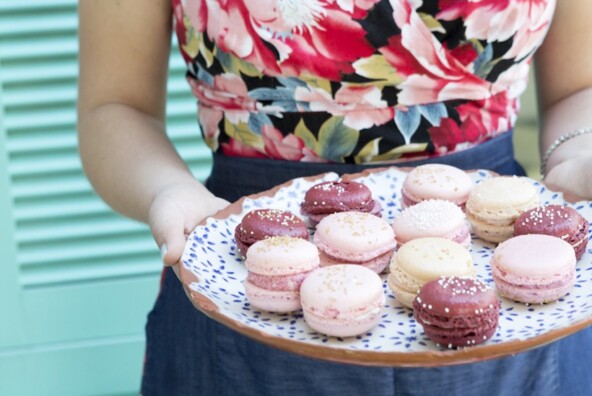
{"points": [[555, 220], [338, 196], [457, 311], [265, 223]]}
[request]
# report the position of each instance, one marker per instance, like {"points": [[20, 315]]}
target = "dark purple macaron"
{"points": [[338, 196], [457, 311], [264, 223], [555, 220]]}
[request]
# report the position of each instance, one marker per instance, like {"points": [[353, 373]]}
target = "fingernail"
{"points": [[163, 251]]}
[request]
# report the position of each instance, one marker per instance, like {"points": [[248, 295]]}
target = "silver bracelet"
{"points": [[558, 142]]}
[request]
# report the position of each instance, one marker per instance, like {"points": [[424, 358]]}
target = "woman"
{"points": [[291, 88]]}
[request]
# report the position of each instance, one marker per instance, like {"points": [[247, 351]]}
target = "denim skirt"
{"points": [[188, 353]]}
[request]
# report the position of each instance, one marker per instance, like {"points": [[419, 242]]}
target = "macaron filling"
{"points": [[278, 283]]}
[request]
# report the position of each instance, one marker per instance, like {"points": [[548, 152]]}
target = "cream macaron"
{"points": [[424, 259], [495, 204]]}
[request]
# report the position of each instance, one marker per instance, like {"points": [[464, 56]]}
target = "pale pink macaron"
{"points": [[436, 181], [342, 300], [433, 218], [534, 268], [355, 238], [276, 268]]}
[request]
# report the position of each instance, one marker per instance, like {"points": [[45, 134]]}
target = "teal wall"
{"points": [[76, 280]]}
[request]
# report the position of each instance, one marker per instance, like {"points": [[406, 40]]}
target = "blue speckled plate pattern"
{"points": [[217, 273]]}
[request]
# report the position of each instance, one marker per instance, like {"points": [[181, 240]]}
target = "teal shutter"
{"points": [[76, 279]]}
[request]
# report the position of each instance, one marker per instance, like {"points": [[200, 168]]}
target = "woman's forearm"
{"points": [[129, 159], [567, 115]]}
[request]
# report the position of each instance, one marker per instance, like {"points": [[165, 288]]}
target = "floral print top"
{"points": [[357, 81]]}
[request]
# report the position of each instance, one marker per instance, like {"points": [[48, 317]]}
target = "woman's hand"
{"points": [[174, 213], [573, 177]]}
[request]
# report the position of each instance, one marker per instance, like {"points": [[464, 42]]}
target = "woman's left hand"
{"points": [[573, 177]]}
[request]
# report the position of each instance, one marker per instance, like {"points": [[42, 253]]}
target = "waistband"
{"points": [[234, 177]]}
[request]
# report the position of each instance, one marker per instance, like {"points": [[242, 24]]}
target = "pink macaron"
{"points": [[433, 218], [534, 268], [436, 181], [342, 300], [355, 238], [277, 266], [557, 220]]}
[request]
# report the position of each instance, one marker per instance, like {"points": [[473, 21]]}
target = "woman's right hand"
{"points": [[174, 213]]}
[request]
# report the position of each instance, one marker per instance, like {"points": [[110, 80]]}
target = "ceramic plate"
{"points": [[212, 273]]}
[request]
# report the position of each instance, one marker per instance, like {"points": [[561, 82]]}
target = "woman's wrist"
{"points": [[572, 144]]}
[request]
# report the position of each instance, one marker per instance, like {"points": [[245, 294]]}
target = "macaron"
{"points": [[424, 259], [534, 268], [342, 300], [436, 181], [355, 238], [557, 220], [277, 266], [495, 204], [337, 196], [457, 311], [259, 224], [432, 218]]}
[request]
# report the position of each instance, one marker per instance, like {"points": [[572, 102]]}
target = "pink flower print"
{"points": [[289, 147], [448, 134], [235, 148], [209, 121], [228, 93], [499, 20], [361, 107], [432, 73], [278, 146], [287, 37]]}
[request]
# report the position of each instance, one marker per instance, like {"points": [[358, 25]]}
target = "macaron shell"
{"points": [[500, 200], [557, 220], [344, 328], [377, 264], [272, 300], [462, 300], [422, 260], [314, 219], [425, 259], [354, 236], [457, 311], [431, 218], [282, 255], [263, 223], [337, 196], [342, 300], [534, 257], [404, 293], [436, 181], [324, 289], [459, 337], [535, 295], [489, 232], [534, 268]]}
